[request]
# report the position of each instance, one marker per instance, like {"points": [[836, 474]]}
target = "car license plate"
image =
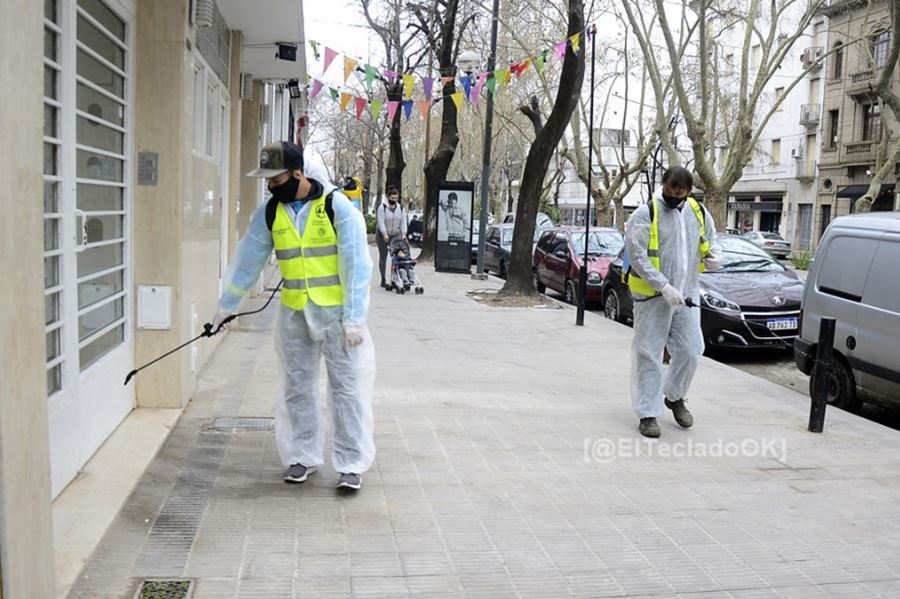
{"points": [[781, 324]]}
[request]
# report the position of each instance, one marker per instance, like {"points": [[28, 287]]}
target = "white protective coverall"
{"points": [[658, 325], [304, 337]]}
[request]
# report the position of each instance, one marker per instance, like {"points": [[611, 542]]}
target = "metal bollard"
{"points": [[820, 374]]}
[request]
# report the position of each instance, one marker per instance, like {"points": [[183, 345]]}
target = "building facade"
{"points": [[853, 120], [777, 191], [135, 120]]}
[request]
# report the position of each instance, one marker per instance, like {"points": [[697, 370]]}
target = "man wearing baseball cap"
{"points": [[319, 240]]}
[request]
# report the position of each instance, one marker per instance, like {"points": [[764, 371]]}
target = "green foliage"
{"points": [[551, 211], [370, 224], [802, 261]]}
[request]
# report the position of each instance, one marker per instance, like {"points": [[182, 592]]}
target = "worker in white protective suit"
{"points": [[669, 241], [319, 239]]}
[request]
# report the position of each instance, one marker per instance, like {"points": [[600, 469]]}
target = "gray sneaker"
{"points": [[350, 480], [682, 415], [298, 473], [649, 428]]}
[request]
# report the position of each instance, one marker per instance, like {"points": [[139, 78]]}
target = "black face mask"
{"points": [[287, 191], [392, 202], [671, 201]]}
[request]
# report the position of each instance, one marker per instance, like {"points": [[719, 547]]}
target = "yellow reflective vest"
{"points": [[638, 285], [308, 263]]}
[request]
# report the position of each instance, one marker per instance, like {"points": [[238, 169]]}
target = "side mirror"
{"points": [[561, 254]]}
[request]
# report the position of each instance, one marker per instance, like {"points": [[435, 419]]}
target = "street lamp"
{"points": [[486, 156], [582, 274]]}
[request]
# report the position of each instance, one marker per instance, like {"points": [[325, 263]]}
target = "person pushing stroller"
{"points": [[403, 267]]}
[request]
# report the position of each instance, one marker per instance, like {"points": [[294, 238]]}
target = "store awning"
{"points": [[856, 191]]}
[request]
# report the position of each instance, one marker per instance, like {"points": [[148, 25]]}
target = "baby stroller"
{"points": [[403, 268]]}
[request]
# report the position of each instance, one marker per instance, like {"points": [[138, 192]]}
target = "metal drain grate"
{"points": [[165, 589], [229, 423]]}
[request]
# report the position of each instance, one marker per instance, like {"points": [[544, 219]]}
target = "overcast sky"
{"points": [[339, 24]]}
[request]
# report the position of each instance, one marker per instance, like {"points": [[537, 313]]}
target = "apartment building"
{"points": [[853, 123]]}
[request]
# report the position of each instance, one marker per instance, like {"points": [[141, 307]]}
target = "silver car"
{"points": [[773, 243], [855, 279]]}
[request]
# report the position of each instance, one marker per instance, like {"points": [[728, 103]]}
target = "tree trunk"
{"points": [[436, 170], [601, 208], [396, 163], [519, 281], [716, 203], [379, 176]]}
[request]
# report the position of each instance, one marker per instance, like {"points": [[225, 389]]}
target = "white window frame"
{"points": [[207, 107]]}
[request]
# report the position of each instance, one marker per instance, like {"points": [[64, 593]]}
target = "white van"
{"points": [[855, 279]]}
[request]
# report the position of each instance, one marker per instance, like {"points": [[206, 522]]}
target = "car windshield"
{"points": [[507, 237], [772, 236], [600, 243], [743, 256]]}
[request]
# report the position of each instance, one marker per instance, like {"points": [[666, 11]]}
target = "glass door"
{"points": [[86, 234]]}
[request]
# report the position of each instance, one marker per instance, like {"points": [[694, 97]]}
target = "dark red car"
{"points": [[560, 252]]}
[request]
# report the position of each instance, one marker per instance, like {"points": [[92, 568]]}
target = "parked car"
{"points": [[542, 221], [732, 232], [773, 243], [559, 255], [498, 247], [751, 302], [855, 279]]}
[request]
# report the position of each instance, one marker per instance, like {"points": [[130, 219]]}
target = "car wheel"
{"points": [[541, 288], [840, 388], [502, 269], [569, 291], [611, 307]]}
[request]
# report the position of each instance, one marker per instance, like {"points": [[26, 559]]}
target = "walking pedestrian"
{"points": [[391, 222], [670, 241], [319, 240]]}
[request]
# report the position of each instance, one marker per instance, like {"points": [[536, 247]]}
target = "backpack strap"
{"points": [[272, 207]]}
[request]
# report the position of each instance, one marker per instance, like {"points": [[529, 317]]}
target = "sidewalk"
{"points": [[507, 467]]}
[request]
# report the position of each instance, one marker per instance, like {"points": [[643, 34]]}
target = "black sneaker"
{"points": [[350, 481], [298, 473], [682, 415], [649, 428]]}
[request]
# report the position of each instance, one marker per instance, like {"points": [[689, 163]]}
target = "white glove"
{"points": [[218, 319], [672, 296], [353, 335], [713, 261]]}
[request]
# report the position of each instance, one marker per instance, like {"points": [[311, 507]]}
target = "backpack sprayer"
{"points": [[207, 332]]}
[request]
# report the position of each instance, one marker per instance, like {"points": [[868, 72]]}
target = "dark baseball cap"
{"points": [[276, 158]]}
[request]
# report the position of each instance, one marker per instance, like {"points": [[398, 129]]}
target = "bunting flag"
{"points": [[561, 50], [575, 40], [540, 61], [428, 84], [315, 48], [425, 107], [458, 100], [466, 82], [334, 93], [376, 109], [345, 99], [407, 108], [349, 65], [316, 88], [408, 82], [330, 55], [390, 75], [482, 78], [492, 83], [371, 73], [392, 110], [360, 106], [502, 76], [517, 69]]}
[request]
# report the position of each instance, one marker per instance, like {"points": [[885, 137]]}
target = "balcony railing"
{"points": [[806, 170], [809, 114], [859, 151], [859, 83]]}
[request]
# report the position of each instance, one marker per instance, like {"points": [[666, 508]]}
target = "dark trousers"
{"points": [[382, 255]]}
